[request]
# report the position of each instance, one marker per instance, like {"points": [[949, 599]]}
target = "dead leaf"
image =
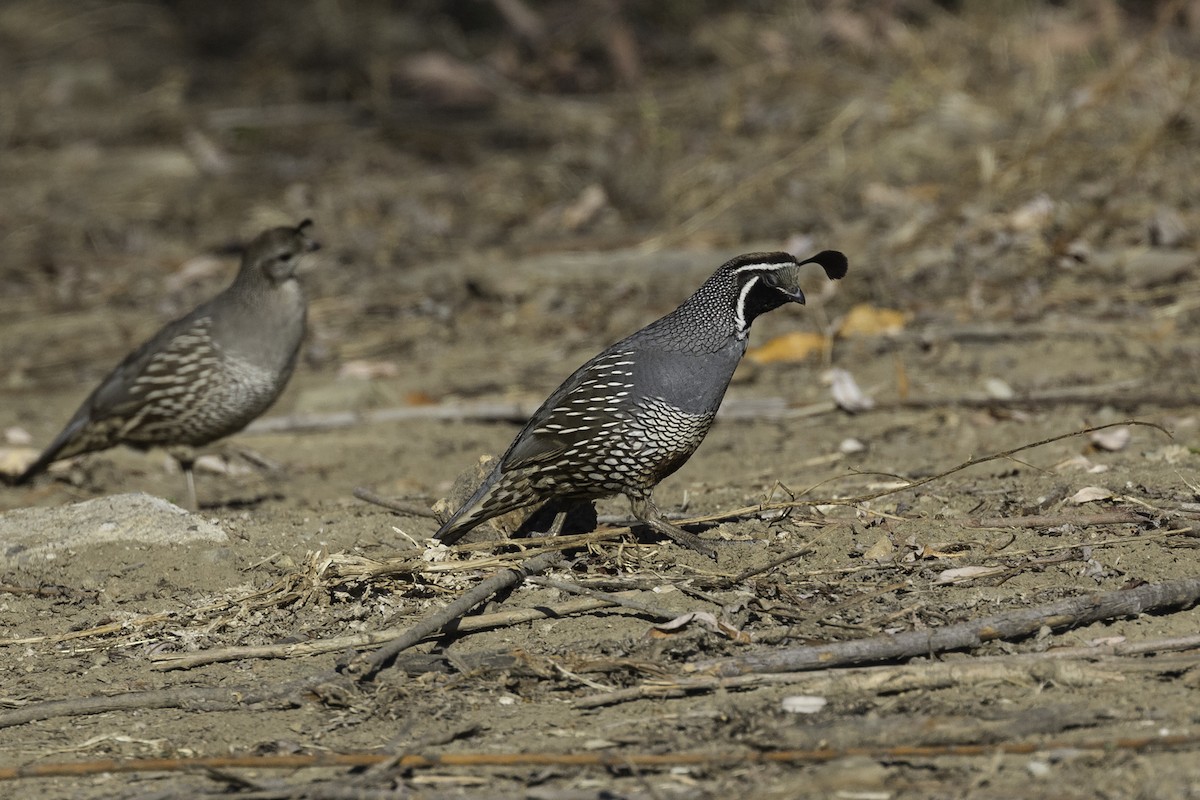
{"points": [[704, 618], [14, 434], [1111, 439], [1090, 494], [789, 348], [882, 550], [846, 393], [868, 320], [962, 574]]}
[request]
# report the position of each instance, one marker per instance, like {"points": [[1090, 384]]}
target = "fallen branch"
{"points": [[223, 698], [478, 622], [1090, 668], [364, 666], [1073, 612]]}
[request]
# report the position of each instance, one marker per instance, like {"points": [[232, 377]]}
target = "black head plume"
{"points": [[832, 261]]}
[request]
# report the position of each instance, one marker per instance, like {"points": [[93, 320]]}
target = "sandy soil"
{"points": [[1018, 186]]}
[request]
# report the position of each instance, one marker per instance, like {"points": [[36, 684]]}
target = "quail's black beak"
{"points": [[786, 281]]}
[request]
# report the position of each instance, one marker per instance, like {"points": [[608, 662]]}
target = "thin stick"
{"points": [[1072, 612], [618, 760], [765, 408], [365, 666], [408, 509], [750, 573], [1081, 666], [740, 512], [614, 599], [478, 412], [478, 622], [222, 698], [1114, 517]]}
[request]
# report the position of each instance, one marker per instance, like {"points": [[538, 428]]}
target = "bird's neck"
{"points": [[266, 321]]}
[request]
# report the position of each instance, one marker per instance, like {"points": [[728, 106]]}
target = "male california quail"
{"points": [[635, 413], [205, 375]]}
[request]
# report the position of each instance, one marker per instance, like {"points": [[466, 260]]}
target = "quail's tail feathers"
{"points": [[53, 452], [482, 506]]}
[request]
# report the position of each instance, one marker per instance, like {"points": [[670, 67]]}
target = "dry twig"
{"points": [[1067, 666], [1117, 516], [608, 597], [365, 666], [408, 509], [619, 760], [972, 462], [1072, 612], [478, 622]]}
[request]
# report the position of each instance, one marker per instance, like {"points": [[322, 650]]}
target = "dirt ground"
{"points": [[1015, 187]]}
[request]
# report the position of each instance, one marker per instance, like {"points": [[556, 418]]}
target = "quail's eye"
{"points": [[285, 257], [771, 280]]}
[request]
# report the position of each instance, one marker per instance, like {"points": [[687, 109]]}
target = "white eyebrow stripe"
{"points": [[739, 312], [759, 266]]}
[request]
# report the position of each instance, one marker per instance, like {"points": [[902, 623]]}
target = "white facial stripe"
{"points": [[739, 311], [765, 266]]}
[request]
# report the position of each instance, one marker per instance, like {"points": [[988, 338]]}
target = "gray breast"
{"points": [[694, 383]]}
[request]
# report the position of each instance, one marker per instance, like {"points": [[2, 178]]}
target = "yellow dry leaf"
{"points": [[795, 346], [868, 320]]}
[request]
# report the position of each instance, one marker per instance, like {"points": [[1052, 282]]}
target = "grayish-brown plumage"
{"points": [[636, 412], [207, 374]]}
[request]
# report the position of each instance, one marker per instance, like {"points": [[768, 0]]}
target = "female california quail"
{"points": [[635, 413], [205, 375]]}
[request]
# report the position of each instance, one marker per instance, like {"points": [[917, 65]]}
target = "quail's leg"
{"points": [[189, 475], [648, 514], [560, 519], [186, 458]]}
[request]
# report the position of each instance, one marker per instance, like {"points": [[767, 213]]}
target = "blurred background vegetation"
{"points": [[968, 155]]}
